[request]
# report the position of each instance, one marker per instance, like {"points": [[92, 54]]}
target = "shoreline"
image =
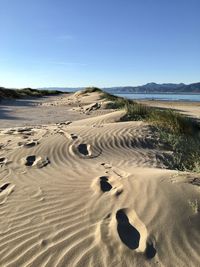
{"points": [[126, 95]]}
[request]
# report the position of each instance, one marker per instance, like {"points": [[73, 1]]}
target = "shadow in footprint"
{"points": [[30, 160], [74, 136], [82, 148], [2, 160], [150, 251], [104, 184], [31, 144], [3, 187], [128, 234]]}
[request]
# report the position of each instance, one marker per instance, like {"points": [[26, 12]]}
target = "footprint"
{"points": [[28, 133], [24, 130], [104, 184], [31, 144], [74, 136], [36, 161], [5, 190], [30, 160], [64, 123], [150, 251], [3, 187], [11, 131], [128, 234], [25, 136], [106, 165], [133, 233], [3, 161], [28, 144], [84, 149]]}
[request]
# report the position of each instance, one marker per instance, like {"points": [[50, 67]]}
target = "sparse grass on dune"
{"points": [[185, 150], [179, 133], [36, 92], [26, 92], [135, 112], [91, 90], [115, 102], [176, 132], [173, 121]]}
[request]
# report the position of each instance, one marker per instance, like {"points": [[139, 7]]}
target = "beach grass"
{"points": [[26, 92]]}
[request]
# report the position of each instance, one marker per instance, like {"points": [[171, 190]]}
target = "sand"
{"points": [[83, 189], [188, 108]]}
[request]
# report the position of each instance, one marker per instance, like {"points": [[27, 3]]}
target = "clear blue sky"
{"points": [[98, 42]]}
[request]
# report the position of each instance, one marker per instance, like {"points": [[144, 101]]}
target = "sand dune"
{"points": [[93, 192]]}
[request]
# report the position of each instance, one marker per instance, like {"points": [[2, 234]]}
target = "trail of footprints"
{"points": [[132, 235], [132, 232]]}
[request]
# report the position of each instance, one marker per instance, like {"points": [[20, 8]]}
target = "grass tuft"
{"points": [[91, 90]]}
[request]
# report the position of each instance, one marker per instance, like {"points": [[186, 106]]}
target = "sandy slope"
{"points": [[93, 193]]}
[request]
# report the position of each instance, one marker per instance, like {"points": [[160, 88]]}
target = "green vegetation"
{"points": [[115, 102], [136, 112], [26, 92], [186, 150], [91, 90], [176, 132]]}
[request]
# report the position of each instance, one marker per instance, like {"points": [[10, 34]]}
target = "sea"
{"points": [[146, 96], [163, 97]]}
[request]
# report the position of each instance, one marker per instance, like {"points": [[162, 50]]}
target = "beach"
{"points": [[79, 187]]}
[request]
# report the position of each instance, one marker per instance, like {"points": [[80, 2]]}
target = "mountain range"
{"points": [[147, 88], [157, 88]]}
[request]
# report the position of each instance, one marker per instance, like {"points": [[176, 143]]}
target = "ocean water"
{"points": [[165, 97], [147, 96]]}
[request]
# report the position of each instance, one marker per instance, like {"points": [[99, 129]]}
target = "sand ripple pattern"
{"points": [[91, 194]]}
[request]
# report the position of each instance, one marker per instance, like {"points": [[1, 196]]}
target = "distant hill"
{"points": [[157, 88], [147, 88]]}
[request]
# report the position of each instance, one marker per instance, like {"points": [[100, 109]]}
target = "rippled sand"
{"points": [[91, 191]]}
